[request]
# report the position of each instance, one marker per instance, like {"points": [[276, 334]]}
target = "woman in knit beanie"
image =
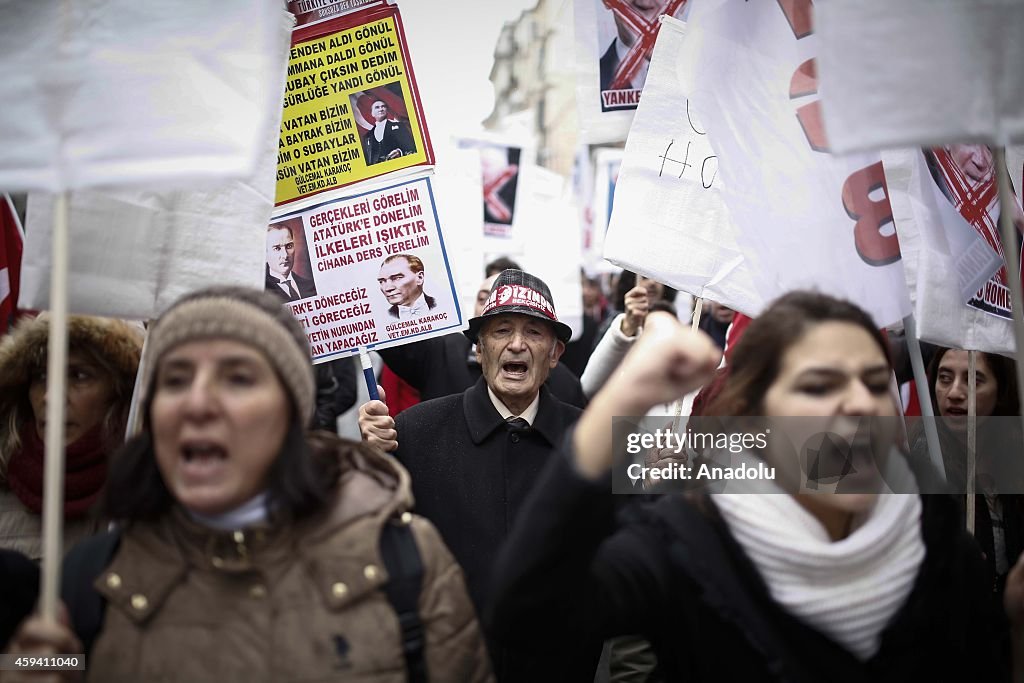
{"points": [[102, 362], [249, 548]]}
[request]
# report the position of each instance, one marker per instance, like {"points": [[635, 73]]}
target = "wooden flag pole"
{"points": [[1011, 256], [972, 434], [698, 306], [56, 390], [931, 433]]}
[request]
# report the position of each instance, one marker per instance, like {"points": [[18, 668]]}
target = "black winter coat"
{"points": [[471, 476], [674, 573]]}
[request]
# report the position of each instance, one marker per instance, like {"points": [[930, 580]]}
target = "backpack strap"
{"points": [[86, 606], [404, 565]]}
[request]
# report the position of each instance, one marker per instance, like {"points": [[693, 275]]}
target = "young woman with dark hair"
{"points": [[770, 582], [999, 507]]}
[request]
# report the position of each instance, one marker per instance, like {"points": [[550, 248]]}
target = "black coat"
{"points": [[441, 366], [304, 285], [396, 136], [470, 478], [675, 574]]}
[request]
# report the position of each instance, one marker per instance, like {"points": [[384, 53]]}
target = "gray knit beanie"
{"points": [[249, 316]]}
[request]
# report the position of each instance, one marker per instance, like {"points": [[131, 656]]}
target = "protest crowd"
{"points": [[696, 456]]}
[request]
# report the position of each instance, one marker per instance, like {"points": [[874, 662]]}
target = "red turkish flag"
{"points": [[12, 239]]}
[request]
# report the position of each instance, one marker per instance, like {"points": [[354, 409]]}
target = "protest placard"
{"points": [[352, 109], [122, 93], [964, 176], [500, 160], [669, 220], [311, 11], [607, 164], [614, 43], [943, 258], [804, 218], [378, 273]]}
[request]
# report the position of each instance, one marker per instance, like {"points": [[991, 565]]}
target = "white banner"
{"points": [[378, 273], [936, 243], [135, 253], [804, 219], [670, 221], [120, 93], [920, 72]]}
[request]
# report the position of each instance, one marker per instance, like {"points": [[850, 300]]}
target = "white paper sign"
{"points": [[379, 270], [920, 72], [121, 93]]}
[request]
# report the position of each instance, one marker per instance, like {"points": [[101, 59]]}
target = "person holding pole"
{"points": [[771, 581], [249, 548], [999, 514], [103, 360]]}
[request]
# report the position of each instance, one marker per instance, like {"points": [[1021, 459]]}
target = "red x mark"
{"points": [[645, 32], [497, 206]]}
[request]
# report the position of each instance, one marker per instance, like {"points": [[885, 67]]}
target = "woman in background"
{"points": [[103, 358]]}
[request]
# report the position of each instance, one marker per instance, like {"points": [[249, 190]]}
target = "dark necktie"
{"points": [[291, 290], [516, 424]]}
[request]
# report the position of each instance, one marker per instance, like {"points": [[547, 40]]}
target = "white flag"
{"points": [[804, 219], [118, 92], [669, 220], [921, 72], [134, 253]]}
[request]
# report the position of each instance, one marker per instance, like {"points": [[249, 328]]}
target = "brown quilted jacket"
{"points": [[300, 603]]}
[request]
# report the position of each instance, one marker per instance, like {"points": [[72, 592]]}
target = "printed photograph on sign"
{"points": [[499, 169], [965, 175], [401, 280], [379, 268], [383, 119], [626, 33], [288, 273], [352, 109]]}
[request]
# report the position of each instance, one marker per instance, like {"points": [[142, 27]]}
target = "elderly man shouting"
{"points": [[475, 456]]}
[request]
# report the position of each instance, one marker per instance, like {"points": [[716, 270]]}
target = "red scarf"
{"points": [[85, 471]]}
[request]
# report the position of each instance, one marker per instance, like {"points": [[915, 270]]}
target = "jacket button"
{"points": [[139, 602], [406, 518], [515, 438], [370, 572], [339, 590], [113, 580], [258, 591]]}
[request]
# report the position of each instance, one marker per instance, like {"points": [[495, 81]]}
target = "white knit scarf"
{"points": [[848, 589]]}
